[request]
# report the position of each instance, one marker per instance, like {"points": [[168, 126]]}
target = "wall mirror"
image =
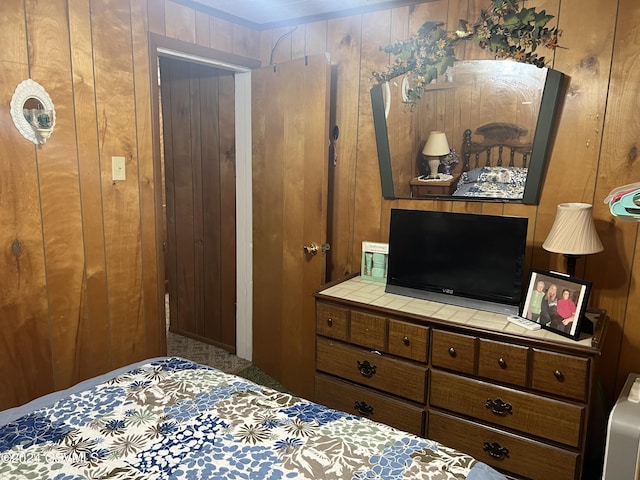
{"points": [[33, 112], [498, 116]]}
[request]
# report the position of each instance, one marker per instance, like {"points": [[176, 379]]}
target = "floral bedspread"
{"points": [[172, 418], [493, 182]]}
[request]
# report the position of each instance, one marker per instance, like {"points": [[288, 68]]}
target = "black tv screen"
{"points": [[470, 260]]}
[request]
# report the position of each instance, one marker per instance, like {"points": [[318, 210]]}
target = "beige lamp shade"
{"points": [[436, 145], [573, 231]]}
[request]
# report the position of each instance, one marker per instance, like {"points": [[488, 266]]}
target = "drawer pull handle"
{"points": [[499, 407], [366, 369], [502, 362], [558, 374], [363, 408], [330, 321], [452, 351], [496, 450], [405, 340]]}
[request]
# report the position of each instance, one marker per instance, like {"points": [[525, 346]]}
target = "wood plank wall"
{"points": [[82, 281]]}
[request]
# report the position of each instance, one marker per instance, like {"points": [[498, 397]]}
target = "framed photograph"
{"points": [[557, 302], [374, 261]]}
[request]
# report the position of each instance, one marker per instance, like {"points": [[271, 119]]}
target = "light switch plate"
{"points": [[118, 168]]}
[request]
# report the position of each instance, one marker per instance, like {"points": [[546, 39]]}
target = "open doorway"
{"points": [[201, 203]]}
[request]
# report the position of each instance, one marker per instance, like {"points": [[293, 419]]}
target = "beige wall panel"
{"points": [[316, 38], [156, 16], [220, 34], [246, 42]]}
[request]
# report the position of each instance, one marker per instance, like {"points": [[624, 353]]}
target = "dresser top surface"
{"points": [[372, 293]]}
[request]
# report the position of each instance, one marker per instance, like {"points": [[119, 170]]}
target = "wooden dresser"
{"points": [[518, 400]]}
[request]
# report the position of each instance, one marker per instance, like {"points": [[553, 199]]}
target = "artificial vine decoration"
{"points": [[505, 28]]}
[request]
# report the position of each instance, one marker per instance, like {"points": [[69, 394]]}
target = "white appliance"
{"points": [[622, 450]]}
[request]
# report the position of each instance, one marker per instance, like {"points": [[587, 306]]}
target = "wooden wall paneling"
{"points": [[202, 29], [246, 41], [155, 12], [211, 96], [114, 79], [227, 156], [266, 44], [268, 207], [281, 48], [150, 186], [220, 34], [180, 22], [316, 38], [183, 195], [615, 270], [25, 348], [298, 41], [196, 133], [368, 200], [47, 29], [402, 124], [343, 44], [95, 346]]}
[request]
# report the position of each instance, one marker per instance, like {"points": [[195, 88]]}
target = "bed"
{"points": [[495, 166], [169, 417]]}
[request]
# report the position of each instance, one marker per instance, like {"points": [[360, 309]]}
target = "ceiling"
{"points": [[267, 14]]}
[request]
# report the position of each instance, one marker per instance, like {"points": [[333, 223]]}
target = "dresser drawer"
{"points": [[375, 406], [503, 362], [332, 321], [528, 413], [453, 351], [368, 330], [502, 450], [408, 340], [371, 369], [560, 374]]}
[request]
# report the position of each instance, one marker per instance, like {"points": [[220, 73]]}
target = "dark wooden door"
{"points": [[199, 158], [290, 122]]}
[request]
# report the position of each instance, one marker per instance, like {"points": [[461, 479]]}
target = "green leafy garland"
{"points": [[505, 29]]}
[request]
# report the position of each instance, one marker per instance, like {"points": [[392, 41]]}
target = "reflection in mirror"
{"points": [[498, 117]]}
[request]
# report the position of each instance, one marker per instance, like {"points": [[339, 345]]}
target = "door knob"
{"points": [[311, 249]]}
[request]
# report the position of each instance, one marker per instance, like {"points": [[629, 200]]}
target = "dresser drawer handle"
{"points": [[558, 374], [452, 351], [363, 408], [499, 407], [496, 450], [405, 340], [366, 369], [502, 362], [330, 321]]}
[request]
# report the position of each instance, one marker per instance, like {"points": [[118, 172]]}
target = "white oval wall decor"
{"points": [[40, 127]]}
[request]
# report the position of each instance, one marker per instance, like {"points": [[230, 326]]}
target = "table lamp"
{"points": [[435, 148], [573, 234]]}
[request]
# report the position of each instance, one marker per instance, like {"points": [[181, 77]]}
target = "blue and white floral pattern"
{"points": [[172, 418], [493, 182]]}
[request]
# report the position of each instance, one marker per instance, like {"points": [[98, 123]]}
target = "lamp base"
{"points": [[434, 164]]}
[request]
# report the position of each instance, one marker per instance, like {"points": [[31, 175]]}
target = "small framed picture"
{"points": [[557, 302]]}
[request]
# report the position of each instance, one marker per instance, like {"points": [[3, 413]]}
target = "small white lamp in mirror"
{"points": [[435, 148], [573, 234]]}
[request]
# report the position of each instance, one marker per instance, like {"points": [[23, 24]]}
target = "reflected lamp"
{"points": [[573, 234], [435, 148]]}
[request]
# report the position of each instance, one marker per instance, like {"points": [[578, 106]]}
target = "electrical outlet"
{"points": [[118, 168]]}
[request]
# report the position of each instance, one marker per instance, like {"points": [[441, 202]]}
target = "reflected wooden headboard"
{"points": [[496, 138]]}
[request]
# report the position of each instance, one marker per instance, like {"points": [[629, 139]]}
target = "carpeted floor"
{"points": [[216, 357]]}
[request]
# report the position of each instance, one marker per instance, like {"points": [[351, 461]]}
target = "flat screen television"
{"points": [[469, 260]]}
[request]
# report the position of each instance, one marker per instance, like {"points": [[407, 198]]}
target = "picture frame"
{"points": [[561, 312], [375, 256]]}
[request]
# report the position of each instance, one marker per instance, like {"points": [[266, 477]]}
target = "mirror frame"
{"points": [[542, 141], [26, 90]]}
